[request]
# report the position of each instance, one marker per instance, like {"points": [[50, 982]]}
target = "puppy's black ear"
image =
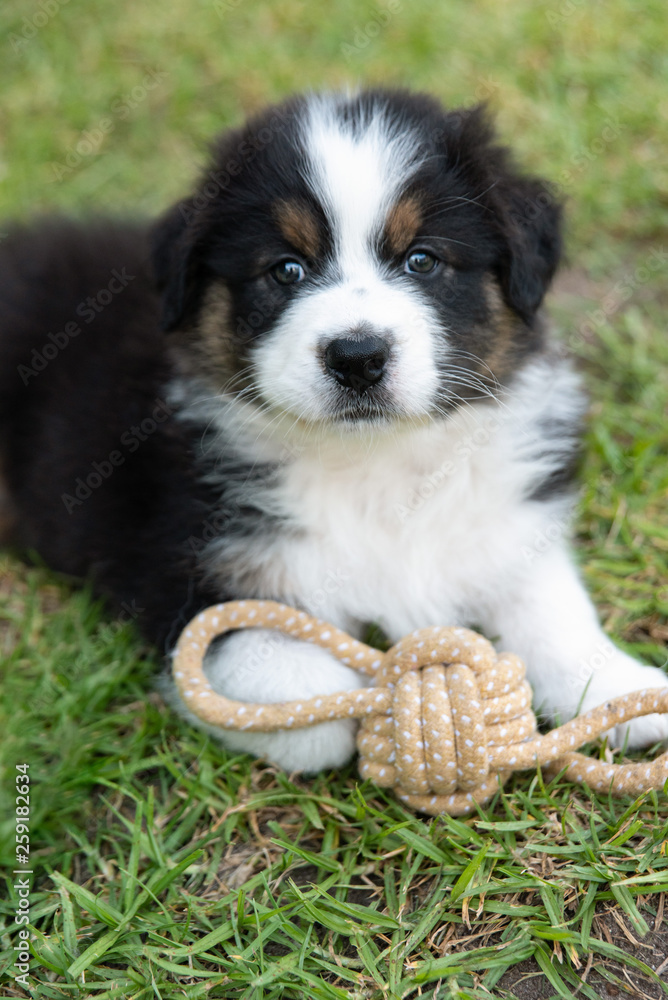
{"points": [[527, 210], [530, 214], [173, 254]]}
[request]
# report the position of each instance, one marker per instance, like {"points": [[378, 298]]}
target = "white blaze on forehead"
{"points": [[356, 170]]}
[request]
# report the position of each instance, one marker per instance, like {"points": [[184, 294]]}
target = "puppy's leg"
{"points": [[544, 614], [261, 665]]}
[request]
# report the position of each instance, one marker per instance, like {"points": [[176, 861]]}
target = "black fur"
{"points": [[58, 423], [70, 400]]}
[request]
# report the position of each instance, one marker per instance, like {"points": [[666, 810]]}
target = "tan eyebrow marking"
{"points": [[299, 226], [402, 224]]}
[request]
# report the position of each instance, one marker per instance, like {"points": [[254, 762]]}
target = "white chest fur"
{"points": [[416, 526], [411, 533]]}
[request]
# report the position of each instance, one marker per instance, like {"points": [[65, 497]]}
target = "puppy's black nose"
{"points": [[357, 363]]}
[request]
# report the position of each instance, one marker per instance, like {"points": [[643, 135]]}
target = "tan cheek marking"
{"points": [[402, 224], [207, 348], [504, 327], [299, 227]]}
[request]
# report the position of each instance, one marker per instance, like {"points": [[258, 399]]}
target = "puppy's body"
{"points": [[355, 407], [63, 416]]}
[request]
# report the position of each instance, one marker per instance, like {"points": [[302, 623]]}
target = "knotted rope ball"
{"points": [[446, 721]]}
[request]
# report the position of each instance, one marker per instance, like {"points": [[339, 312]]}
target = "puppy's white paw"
{"points": [[624, 676], [260, 665]]}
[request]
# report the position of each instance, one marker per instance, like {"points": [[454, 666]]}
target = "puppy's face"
{"points": [[354, 260]]}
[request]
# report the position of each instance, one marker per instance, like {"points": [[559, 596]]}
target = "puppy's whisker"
{"points": [[460, 353], [444, 239], [454, 200]]}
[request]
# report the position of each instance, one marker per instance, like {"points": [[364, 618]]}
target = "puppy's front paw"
{"points": [[260, 665], [624, 676]]}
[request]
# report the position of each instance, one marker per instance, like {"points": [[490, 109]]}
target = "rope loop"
{"points": [[445, 723]]}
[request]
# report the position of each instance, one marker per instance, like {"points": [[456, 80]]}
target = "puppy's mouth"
{"points": [[345, 410], [360, 404], [362, 411]]}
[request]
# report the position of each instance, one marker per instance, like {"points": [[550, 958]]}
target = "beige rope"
{"points": [[446, 721]]}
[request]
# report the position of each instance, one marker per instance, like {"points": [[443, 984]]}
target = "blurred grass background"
{"points": [[108, 108], [579, 87]]}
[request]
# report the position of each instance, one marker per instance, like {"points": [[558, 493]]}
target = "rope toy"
{"points": [[446, 721]]}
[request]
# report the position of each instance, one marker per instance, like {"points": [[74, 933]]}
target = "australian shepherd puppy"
{"points": [[323, 379]]}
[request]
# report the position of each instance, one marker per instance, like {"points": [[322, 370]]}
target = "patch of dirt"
{"points": [[607, 977], [649, 629], [15, 591], [576, 283]]}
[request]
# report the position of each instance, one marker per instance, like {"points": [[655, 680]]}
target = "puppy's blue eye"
{"points": [[288, 272], [420, 262]]}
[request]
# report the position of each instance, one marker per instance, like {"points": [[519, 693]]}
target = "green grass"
{"points": [[165, 867]]}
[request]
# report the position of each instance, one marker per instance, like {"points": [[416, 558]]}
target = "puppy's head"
{"points": [[360, 259]]}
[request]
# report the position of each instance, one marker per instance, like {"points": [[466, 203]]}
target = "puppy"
{"points": [[324, 379]]}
